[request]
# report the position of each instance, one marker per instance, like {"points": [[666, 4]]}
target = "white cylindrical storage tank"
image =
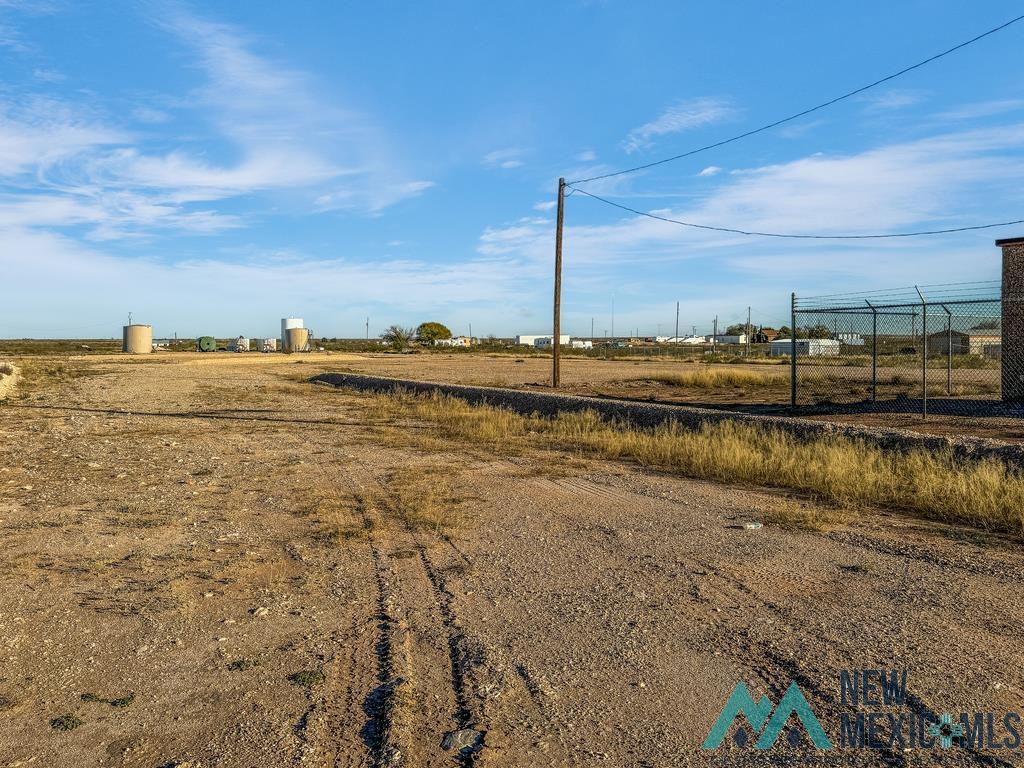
{"points": [[296, 340], [137, 339], [286, 324]]}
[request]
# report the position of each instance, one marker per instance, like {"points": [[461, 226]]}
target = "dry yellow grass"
{"points": [[422, 498], [9, 376], [795, 515], [838, 470], [716, 378]]}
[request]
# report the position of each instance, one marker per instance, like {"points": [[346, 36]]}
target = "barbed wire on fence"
{"points": [[934, 348]]}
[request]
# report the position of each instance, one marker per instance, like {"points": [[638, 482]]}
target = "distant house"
{"points": [[764, 335], [850, 339], [810, 347], [455, 341], [578, 344], [982, 342]]}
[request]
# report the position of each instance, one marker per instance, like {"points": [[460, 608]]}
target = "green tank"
{"points": [[206, 344]]}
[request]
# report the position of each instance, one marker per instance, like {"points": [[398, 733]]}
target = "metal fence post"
{"points": [[874, 351], [924, 354], [792, 351], [949, 351]]}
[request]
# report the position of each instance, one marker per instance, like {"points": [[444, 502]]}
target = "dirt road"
{"points": [[221, 565]]}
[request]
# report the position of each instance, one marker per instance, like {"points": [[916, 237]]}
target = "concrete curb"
{"points": [[651, 414]]}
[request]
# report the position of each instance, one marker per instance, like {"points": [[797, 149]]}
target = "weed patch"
{"points": [[66, 722], [307, 678], [835, 469]]}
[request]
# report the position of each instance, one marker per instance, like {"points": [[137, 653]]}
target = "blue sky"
{"points": [[217, 166]]}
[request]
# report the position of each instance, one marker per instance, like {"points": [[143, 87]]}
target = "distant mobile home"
{"points": [[455, 341], [545, 341], [811, 347]]}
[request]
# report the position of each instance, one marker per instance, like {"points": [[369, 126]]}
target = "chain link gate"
{"points": [[925, 349]]}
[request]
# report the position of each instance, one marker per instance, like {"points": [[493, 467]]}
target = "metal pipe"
{"points": [[874, 352], [949, 351], [924, 354], [792, 352]]}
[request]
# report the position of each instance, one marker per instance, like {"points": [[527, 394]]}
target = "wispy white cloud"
{"points": [[511, 157], [893, 99], [545, 205], [894, 187], [711, 170], [587, 156], [38, 133], [982, 109], [151, 115], [67, 156], [48, 75], [289, 134], [799, 130], [682, 116], [10, 34]]}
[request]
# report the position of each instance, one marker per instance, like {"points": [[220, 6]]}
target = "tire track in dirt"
{"points": [[388, 730], [432, 698], [330, 731], [354, 726], [486, 691], [493, 694]]}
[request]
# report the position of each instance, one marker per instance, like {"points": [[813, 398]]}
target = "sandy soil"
{"points": [[192, 571]]}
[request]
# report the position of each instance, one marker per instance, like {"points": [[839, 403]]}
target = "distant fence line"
{"points": [[935, 348], [647, 415]]}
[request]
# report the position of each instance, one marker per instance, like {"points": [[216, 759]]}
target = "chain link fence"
{"points": [[927, 349]]}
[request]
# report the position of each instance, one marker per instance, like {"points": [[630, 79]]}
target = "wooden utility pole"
{"points": [[556, 353], [677, 322], [748, 332]]}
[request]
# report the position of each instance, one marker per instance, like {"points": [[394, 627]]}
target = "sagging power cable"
{"points": [[804, 112]]}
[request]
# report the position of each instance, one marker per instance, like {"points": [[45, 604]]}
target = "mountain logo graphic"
{"points": [[767, 719]]}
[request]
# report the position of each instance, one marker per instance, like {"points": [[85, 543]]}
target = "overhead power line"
{"points": [[736, 231], [803, 113]]}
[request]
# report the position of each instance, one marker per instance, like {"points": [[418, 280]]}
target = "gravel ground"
{"points": [[194, 543]]}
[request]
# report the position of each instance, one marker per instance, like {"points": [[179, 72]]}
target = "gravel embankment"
{"points": [[652, 414]]}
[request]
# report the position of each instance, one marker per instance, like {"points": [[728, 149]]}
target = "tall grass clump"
{"points": [[835, 469], [715, 378]]}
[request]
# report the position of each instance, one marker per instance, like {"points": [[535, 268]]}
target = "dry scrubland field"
{"points": [[208, 561]]}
